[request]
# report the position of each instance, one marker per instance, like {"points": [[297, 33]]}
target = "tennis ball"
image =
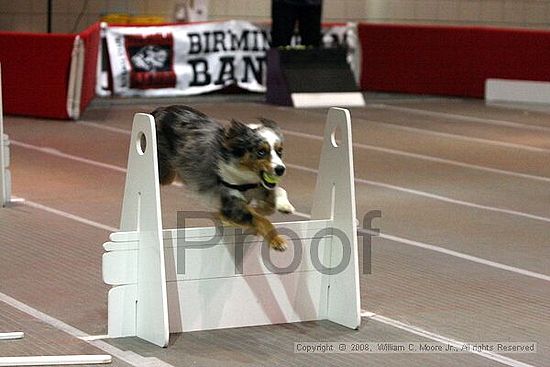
{"points": [[270, 178]]}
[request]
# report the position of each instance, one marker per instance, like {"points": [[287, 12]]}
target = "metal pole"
{"points": [[49, 16]]}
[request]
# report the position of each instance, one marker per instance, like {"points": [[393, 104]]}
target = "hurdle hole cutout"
{"points": [[336, 137], [141, 143]]}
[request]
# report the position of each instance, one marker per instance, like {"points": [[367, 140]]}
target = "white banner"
{"points": [[192, 59]]}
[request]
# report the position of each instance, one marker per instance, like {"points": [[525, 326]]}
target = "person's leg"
{"points": [[309, 25], [284, 17]]}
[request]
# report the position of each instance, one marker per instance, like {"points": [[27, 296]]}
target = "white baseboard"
{"points": [[312, 100], [522, 91]]}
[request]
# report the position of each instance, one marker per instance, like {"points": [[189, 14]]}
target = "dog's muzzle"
{"points": [[269, 180]]}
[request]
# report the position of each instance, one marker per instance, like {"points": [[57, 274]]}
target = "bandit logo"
{"points": [[151, 58]]}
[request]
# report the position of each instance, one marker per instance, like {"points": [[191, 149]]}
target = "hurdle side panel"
{"points": [[121, 306], [196, 232], [141, 213], [334, 198], [189, 253], [120, 267]]}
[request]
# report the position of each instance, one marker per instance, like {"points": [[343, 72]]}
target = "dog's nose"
{"points": [[280, 170]]}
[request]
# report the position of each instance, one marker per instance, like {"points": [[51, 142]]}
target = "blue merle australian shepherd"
{"points": [[235, 168]]}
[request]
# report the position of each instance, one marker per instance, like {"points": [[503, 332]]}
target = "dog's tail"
{"points": [[165, 147], [167, 173]]}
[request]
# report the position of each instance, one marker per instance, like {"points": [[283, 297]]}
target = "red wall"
{"points": [[449, 60], [35, 73]]}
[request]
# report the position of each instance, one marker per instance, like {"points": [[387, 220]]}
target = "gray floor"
{"points": [[463, 256]]}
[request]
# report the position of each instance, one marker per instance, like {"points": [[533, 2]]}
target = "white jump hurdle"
{"points": [[5, 178], [150, 298]]}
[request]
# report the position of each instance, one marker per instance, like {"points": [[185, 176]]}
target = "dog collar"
{"points": [[240, 188]]}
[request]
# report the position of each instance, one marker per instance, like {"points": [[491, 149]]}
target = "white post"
{"points": [[335, 198], [141, 212], [5, 182], [76, 74]]}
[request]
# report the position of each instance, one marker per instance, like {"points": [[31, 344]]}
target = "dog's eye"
{"points": [[279, 152], [261, 153]]}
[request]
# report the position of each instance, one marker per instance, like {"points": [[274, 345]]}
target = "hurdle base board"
{"points": [[317, 100], [55, 360], [12, 335], [188, 253], [227, 303], [149, 299], [519, 91]]}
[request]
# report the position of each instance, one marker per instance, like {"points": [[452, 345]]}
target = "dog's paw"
{"points": [[285, 207], [278, 243]]}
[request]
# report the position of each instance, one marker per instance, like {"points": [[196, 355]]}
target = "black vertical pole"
{"points": [[49, 16]]}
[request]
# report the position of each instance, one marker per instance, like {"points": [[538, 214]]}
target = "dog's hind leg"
{"points": [[266, 204]]}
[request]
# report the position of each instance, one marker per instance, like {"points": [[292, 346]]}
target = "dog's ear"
{"points": [[236, 128], [235, 136], [272, 125], [269, 123]]}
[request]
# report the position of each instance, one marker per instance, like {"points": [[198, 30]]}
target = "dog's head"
{"points": [[256, 151]]}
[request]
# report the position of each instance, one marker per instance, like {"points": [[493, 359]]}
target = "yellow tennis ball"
{"points": [[270, 178]]}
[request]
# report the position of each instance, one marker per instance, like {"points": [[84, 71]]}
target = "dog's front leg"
{"points": [[237, 212], [281, 201]]}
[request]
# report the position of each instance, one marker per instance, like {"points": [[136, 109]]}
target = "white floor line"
{"points": [[524, 107], [445, 251], [113, 129], [378, 149], [459, 117], [314, 171], [428, 158], [498, 143], [461, 255], [466, 138], [404, 99], [442, 339], [129, 357], [434, 196], [57, 153], [94, 337], [61, 213]]}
